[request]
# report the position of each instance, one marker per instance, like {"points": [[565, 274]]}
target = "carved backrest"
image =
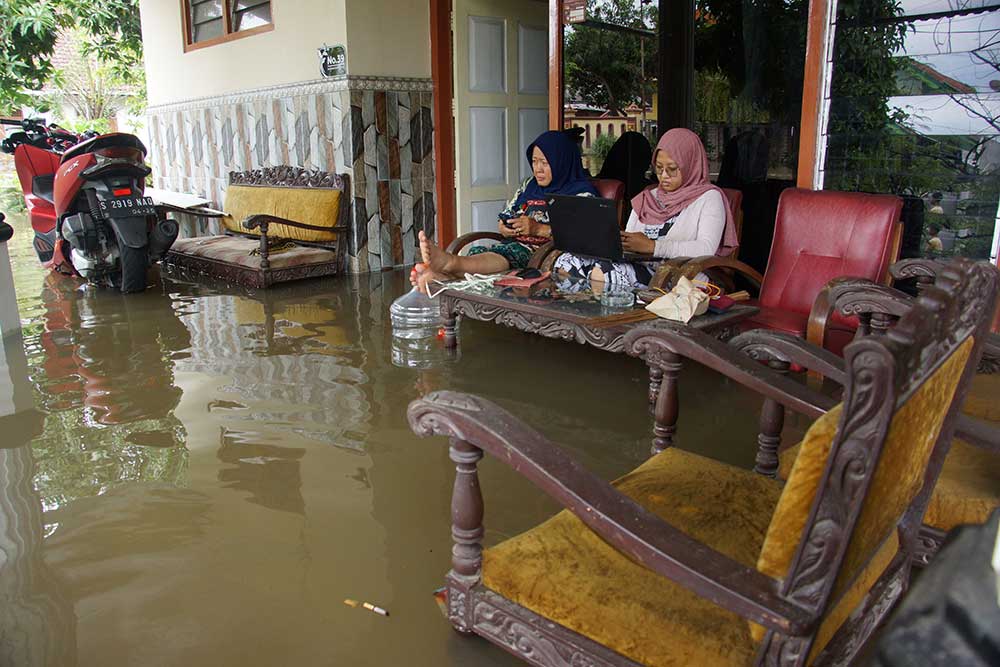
{"points": [[310, 197], [866, 467]]}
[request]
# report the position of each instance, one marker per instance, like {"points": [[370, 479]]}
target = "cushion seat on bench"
{"points": [[311, 206], [244, 252]]}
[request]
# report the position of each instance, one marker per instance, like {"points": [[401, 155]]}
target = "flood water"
{"points": [[210, 472]]}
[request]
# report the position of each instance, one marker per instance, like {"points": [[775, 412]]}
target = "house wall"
{"points": [[375, 125], [283, 55]]}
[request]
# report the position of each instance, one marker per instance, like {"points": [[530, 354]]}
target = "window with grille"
{"points": [[213, 21]]}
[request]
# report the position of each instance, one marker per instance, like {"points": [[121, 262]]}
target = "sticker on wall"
{"points": [[332, 60]]}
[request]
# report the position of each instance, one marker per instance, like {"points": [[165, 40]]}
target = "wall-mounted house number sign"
{"points": [[333, 60]]}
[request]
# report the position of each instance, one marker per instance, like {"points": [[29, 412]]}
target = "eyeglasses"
{"points": [[669, 171]]}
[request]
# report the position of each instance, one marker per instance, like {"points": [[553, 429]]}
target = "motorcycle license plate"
{"points": [[127, 207]]}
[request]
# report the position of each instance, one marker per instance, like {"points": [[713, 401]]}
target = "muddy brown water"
{"points": [[210, 472]]}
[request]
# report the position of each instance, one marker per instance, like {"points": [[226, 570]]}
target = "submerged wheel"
{"points": [[134, 265]]}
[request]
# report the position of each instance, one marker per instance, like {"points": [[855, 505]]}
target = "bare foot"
{"points": [[436, 259], [423, 278]]}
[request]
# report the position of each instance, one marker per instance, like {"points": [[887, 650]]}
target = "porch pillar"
{"points": [[556, 36], [675, 83]]}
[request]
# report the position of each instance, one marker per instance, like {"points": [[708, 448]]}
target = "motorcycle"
{"points": [[86, 203]]}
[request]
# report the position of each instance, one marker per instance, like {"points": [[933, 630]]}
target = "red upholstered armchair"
{"points": [[819, 236], [608, 188]]}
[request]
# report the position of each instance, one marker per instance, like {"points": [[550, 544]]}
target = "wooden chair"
{"points": [[968, 489], [688, 561], [818, 236], [282, 224], [607, 188]]}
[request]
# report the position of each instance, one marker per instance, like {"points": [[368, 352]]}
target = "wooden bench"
{"points": [[281, 224]]}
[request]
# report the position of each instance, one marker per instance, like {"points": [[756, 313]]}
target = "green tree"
{"points": [[759, 47], [28, 33], [604, 67]]}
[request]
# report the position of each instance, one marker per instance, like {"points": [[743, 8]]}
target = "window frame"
{"points": [[228, 34]]}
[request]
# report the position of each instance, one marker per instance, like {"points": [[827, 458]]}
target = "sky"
{"points": [[957, 48]]}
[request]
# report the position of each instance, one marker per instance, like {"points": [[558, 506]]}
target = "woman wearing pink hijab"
{"points": [[683, 216]]}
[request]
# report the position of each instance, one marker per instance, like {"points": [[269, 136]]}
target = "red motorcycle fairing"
{"points": [[69, 180], [33, 163]]}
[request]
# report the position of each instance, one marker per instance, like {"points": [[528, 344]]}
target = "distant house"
{"points": [[916, 78]]}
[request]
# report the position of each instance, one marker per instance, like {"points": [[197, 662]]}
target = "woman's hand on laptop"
{"points": [[638, 242]]}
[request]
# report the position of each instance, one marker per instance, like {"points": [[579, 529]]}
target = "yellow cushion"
{"points": [[563, 571], [968, 489], [310, 206], [983, 400], [897, 479]]}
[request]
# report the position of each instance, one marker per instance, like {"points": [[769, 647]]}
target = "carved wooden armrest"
{"points": [[627, 526], [199, 212], [830, 298], [656, 345], [778, 346], [262, 220], [544, 256], [465, 239], [924, 270], [689, 268]]}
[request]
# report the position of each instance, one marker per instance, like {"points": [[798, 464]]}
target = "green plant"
{"points": [[601, 146], [712, 96], [29, 30], [11, 198], [79, 125]]}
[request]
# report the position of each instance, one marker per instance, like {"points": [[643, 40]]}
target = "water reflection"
{"points": [[289, 355], [269, 474], [37, 623], [102, 366]]}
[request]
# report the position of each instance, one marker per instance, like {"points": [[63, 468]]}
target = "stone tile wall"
{"points": [[377, 130]]}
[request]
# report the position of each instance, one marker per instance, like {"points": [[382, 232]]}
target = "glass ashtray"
{"points": [[612, 298]]}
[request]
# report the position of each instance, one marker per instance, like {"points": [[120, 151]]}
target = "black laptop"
{"points": [[586, 226]]}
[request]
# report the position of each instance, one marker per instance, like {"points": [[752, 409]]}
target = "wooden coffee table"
{"points": [[566, 309]]}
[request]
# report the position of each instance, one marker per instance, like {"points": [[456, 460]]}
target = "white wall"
{"points": [[383, 38], [389, 38], [10, 318], [284, 55]]}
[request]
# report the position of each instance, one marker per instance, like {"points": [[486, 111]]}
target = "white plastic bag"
{"points": [[682, 303]]}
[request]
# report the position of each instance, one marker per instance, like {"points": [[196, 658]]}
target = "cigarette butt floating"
{"points": [[372, 608], [351, 603]]}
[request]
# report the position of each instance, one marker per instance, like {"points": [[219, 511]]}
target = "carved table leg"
{"points": [[450, 320], [667, 405], [655, 380], [772, 420], [467, 534]]}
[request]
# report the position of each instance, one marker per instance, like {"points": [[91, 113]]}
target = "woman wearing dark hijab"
{"points": [[524, 222]]}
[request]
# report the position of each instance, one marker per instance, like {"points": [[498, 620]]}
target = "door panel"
{"points": [[530, 123], [501, 101], [488, 148], [532, 52], [485, 214], [487, 55]]}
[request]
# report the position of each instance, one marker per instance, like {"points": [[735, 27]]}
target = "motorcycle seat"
{"points": [[41, 186]]}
